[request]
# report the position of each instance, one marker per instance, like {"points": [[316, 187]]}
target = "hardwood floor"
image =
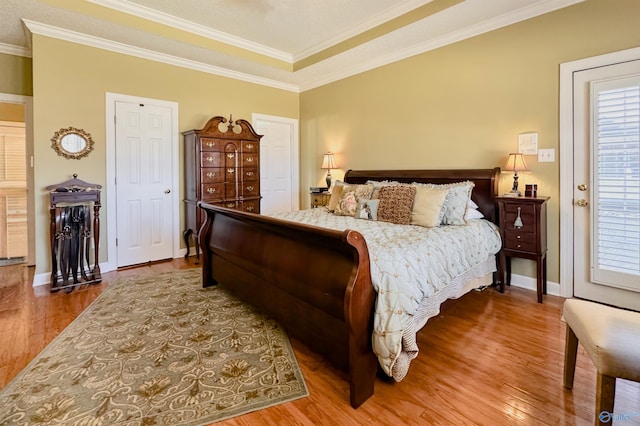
{"points": [[487, 359]]}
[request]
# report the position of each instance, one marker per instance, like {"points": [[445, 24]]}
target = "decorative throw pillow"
{"points": [[379, 184], [427, 208], [336, 192], [395, 204], [349, 198], [367, 209], [455, 205]]}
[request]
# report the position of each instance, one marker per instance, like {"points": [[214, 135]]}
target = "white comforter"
{"points": [[410, 265]]}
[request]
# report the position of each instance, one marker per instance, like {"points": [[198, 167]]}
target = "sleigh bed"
{"points": [[317, 282]]}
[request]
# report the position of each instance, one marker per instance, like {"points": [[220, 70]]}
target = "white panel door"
{"points": [[278, 163], [607, 184], [143, 183]]}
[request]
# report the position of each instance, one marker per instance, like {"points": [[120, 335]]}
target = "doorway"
{"points": [[603, 185], [142, 180], [279, 182], [17, 215]]}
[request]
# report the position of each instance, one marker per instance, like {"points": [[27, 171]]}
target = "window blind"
{"points": [[616, 197]]}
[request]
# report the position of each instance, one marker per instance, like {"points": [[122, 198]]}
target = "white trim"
{"points": [[27, 101], [374, 21], [113, 46], [492, 24], [11, 49], [295, 149], [111, 99], [566, 155], [530, 283], [192, 27]]}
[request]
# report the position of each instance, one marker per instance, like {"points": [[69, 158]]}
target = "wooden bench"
{"points": [[611, 337]]}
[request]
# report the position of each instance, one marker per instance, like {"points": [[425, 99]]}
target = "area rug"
{"points": [[157, 350]]}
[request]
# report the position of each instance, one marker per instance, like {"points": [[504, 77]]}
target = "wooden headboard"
{"points": [[485, 180]]}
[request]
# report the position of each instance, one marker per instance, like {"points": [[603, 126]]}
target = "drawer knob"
{"points": [[209, 159], [518, 222], [211, 190], [230, 205], [231, 155], [250, 188], [230, 171], [210, 144], [249, 159], [249, 208], [249, 146], [211, 175], [249, 173], [519, 245]]}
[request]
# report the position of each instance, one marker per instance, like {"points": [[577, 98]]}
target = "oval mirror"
{"points": [[72, 143]]}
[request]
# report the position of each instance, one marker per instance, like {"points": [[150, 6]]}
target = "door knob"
{"points": [[166, 191], [582, 202], [582, 187]]}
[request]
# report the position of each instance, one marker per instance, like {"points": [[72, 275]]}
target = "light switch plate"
{"points": [[546, 155]]}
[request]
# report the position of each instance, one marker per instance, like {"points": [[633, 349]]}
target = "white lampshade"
{"points": [[328, 162], [516, 163]]}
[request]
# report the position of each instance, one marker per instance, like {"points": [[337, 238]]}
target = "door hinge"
{"points": [[116, 242]]}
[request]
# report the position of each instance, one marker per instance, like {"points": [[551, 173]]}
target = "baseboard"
{"points": [[529, 283], [45, 278]]}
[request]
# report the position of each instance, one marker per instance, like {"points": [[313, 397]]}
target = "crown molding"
{"points": [[486, 26], [11, 49], [130, 8], [373, 22], [101, 43]]}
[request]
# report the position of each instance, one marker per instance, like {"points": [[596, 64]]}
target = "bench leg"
{"points": [[570, 354], [605, 397]]}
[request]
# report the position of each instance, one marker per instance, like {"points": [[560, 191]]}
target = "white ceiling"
{"points": [[282, 31]]}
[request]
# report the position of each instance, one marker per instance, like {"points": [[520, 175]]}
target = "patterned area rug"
{"points": [[157, 350]]}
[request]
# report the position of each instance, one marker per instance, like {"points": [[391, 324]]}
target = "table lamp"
{"points": [[328, 162], [516, 163]]}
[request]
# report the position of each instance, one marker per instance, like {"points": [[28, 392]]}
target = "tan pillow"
{"points": [[349, 198], [395, 204], [336, 192], [427, 208]]}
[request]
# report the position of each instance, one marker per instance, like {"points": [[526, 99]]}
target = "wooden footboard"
{"points": [[315, 282]]}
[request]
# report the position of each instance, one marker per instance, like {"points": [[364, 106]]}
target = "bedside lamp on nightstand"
{"points": [[516, 163], [328, 162]]}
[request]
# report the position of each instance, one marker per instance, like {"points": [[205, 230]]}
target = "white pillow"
{"points": [[472, 211]]}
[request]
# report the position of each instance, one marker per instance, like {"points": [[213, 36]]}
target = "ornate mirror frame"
{"points": [[72, 143]]}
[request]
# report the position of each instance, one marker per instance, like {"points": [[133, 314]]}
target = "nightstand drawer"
{"points": [[515, 240], [527, 216]]}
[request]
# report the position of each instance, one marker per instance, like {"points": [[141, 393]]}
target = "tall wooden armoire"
{"points": [[222, 166]]}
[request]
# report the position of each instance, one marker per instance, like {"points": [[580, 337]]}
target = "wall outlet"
{"points": [[546, 155]]}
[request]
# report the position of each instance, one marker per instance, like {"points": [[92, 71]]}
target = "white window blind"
{"points": [[616, 186]]}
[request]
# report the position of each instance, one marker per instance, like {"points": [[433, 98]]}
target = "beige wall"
{"points": [[70, 82], [16, 75], [462, 106]]}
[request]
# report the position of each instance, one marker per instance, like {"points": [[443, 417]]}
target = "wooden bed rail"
{"points": [[315, 282]]}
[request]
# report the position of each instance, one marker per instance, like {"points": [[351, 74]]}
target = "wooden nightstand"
{"points": [[523, 225], [319, 199]]}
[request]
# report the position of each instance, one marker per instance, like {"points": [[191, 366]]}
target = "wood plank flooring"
{"points": [[487, 359]]}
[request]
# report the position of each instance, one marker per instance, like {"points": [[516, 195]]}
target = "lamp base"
{"points": [[328, 180], [514, 189]]}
